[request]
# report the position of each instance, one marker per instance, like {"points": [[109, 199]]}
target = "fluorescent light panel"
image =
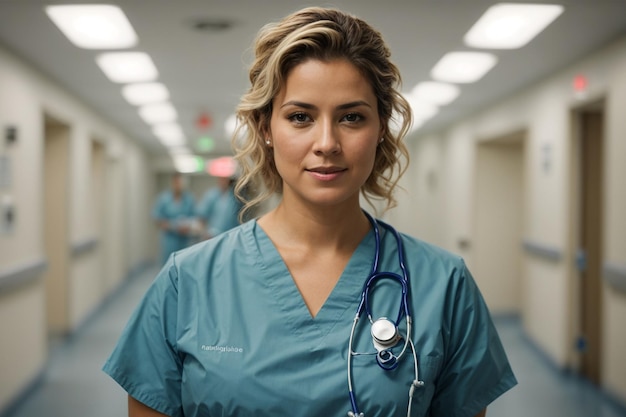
{"points": [[188, 163], [169, 134], [145, 93], [417, 123], [127, 67], [94, 26], [463, 67], [422, 110], [158, 113], [434, 92], [230, 125], [511, 25]]}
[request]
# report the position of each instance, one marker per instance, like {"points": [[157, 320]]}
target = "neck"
{"points": [[330, 228]]}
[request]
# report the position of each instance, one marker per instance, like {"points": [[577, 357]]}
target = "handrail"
{"points": [[542, 250], [21, 275], [83, 246], [615, 275]]}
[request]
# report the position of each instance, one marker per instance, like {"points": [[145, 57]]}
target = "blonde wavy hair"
{"points": [[320, 34]]}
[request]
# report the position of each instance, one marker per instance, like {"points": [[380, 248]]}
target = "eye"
{"points": [[353, 117], [299, 118]]}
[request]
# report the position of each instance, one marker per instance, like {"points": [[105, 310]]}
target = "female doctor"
{"points": [[315, 308]]}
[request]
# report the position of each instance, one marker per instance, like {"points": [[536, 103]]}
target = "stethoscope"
{"points": [[385, 332]]}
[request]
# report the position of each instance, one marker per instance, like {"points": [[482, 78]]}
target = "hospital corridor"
{"points": [[118, 137]]}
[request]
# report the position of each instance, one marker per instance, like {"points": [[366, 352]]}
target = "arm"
{"points": [[138, 409], [162, 224], [482, 413]]}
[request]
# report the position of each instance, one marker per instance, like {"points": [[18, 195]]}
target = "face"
{"points": [[177, 183], [325, 130], [223, 183]]}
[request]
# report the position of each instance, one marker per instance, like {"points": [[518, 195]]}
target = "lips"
{"points": [[326, 170], [326, 173]]}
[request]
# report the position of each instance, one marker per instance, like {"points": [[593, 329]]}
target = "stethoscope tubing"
{"points": [[403, 312]]}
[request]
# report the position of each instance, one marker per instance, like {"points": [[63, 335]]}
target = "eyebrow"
{"points": [[340, 107]]}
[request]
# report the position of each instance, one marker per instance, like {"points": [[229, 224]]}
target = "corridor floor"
{"points": [[74, 386]]}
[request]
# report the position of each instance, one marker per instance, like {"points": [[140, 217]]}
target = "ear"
{"points": [[383, 128], [266, 134]]}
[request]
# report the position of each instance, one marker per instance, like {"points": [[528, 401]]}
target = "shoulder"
{"points": [[422, 251], [163, 195], [220, 249], [212, 193], [432, 269]]}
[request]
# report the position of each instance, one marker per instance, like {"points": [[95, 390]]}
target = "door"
{"points": [[590, 240], [56, 226], [498, 221]]}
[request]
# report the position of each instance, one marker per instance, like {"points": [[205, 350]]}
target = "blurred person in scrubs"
{"points": [[174, 213], [262, 320], [219, 208]]}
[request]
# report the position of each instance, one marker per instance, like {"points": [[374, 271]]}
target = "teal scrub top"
{"points": [[220, 210], [172, 210], [224, 331]]}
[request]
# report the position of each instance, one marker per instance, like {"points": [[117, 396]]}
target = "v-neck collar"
{"points": [[283, 294]]}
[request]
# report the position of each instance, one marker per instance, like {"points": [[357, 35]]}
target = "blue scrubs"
{"points": [[220, 210], [223, 331], [174, 211]]}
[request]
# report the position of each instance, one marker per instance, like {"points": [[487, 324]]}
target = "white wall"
{"points": [[443, 213], [25, 97], [614, 365]]}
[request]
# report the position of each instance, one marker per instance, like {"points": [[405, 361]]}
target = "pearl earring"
{"points": [[381, 140], [267, 142]]}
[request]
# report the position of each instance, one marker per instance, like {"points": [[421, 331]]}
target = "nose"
{"points": [[327, 141]]}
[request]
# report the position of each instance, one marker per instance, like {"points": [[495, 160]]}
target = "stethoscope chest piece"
{"points": [[384, 334]]}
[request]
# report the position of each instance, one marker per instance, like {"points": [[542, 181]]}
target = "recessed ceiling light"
{"points": [[188, 163], [435, 92], [511, 25], [422, 110], [416, 124], [158, 113], [145, 93], [127, 67], [463, 67], [93, 26], [170, 134], [230, 125]]}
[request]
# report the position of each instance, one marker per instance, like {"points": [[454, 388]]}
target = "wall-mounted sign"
{"points": [[7, 215], [10, 135]]}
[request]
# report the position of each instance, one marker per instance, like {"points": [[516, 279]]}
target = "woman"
{"points": [[218, 210], [270, 318], [174, 212]]}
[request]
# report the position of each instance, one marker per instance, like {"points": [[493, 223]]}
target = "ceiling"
{"points": [[206, 71]]}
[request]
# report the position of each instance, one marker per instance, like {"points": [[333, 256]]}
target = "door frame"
{"points": [[586, 229]]}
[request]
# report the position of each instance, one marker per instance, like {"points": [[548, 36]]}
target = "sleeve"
{"points": [[157, 209], [206, 205], [145, 361], [476, 370], [190, 205]]}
